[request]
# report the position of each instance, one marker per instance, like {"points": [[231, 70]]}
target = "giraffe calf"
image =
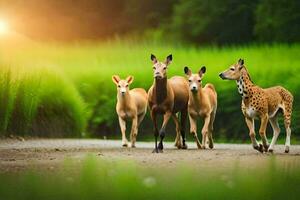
{"points": [[202, 103], [131, 104], [261, 103]]}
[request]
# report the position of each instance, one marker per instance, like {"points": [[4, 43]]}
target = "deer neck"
{"points": [[124, 100], [244, 83], [161, 89], [198, 96]]}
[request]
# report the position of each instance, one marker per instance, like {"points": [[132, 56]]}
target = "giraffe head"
{"points": [[160, 68], [234, 72], [195, 80]]}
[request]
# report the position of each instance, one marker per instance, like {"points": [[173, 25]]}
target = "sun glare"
{"points": [[3, 27]]}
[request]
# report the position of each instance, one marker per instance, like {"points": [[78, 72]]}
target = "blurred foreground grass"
{"points": [[99, 179], [66, 90]]}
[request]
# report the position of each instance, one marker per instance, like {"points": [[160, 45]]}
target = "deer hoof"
{"points": [[184, 146], [160, 146], [124, 145], [259, 148]]}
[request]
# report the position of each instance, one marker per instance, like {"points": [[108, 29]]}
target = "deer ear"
{"points": [[169, 59], [153, 58], [115, 79], [202, 71], [241, 62], [129, 79], [187, 71]]}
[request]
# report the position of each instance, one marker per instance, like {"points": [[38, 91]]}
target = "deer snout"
{"points": [[194, 87], [157, 75], [123, 91]]}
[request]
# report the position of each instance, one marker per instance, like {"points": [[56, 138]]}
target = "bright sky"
{"points": [[3, 27]]}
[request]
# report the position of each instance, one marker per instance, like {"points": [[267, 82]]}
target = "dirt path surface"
{"points": [[49, 154]]}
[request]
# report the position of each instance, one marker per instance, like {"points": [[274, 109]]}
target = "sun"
{"points": [[3, 27]]}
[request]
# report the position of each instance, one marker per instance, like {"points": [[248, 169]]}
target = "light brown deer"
{"points": [[263, 103], [202, 103], [168, 97], [131, 104]]}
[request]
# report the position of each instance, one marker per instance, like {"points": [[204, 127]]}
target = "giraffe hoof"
{"points": [[266, 147], [287, 150], [270, 150]]}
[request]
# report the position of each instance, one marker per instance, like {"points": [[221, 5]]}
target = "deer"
{"points": [[131, 105], [265, 104], [168, 97], [202, 103]]}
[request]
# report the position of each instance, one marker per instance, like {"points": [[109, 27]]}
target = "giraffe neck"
{"points": [[244, 83]]}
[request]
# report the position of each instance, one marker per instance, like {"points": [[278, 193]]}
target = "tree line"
{"points": [[194, 21]]}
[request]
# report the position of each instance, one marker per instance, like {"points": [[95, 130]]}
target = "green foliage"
{"points": [[99, 179], [203, 21], [39, 102], [278, 21]]}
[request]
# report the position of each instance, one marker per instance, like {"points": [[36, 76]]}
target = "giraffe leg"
{"points": [[287, 123], [262, 131], [250, 124], [276, 131]]}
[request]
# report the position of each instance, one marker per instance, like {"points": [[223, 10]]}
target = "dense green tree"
{"points": [[228, 21], [278, 21]]}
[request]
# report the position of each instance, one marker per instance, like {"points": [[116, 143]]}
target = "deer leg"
{"points": [[250, 124], [193, 130], [183, 118], [276, 131], [162, 131], [178, 143], [205, 130], [262, 131], [122, 123], [153, 117], [134, 129], [210, 130]]}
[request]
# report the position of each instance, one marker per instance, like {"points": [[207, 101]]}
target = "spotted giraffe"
{"points": [[261, 103]]}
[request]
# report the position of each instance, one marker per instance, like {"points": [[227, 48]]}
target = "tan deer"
{"points": [[263, 103], [168, 97], [202, 103], [131, 104]]}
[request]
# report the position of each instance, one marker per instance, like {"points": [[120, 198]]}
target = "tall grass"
{"points": [[87, 69], [39, 102], [99, 179]]}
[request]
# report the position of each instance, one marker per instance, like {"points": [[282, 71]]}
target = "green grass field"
{"points": [[99, 179], [50, 89]]}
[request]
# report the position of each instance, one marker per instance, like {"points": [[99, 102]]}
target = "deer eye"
{"points": [[190, 81], [154, 67], [119, 86], [126, 86], [199, 80], [232, 69], [165, 68]]}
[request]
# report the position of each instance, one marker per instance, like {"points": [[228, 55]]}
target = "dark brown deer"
{"points": [[168, 97]]}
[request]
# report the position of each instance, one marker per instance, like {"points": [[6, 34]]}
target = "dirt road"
{"points": [[50, 154]]}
